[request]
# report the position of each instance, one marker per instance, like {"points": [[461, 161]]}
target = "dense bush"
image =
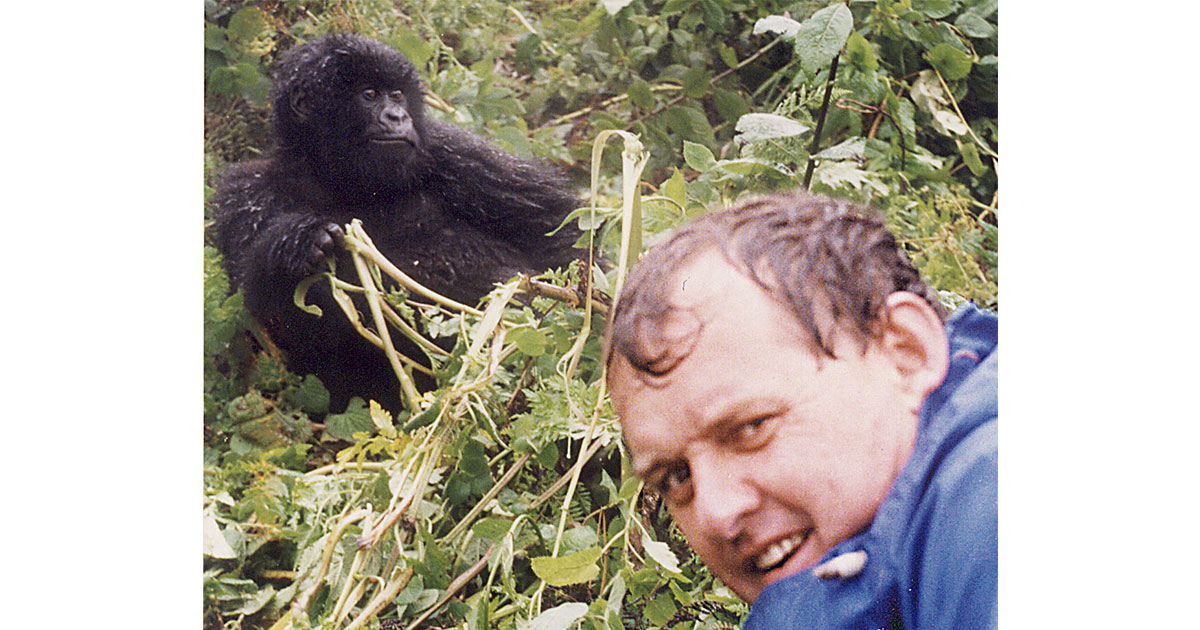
{"points": [[501, 499]]}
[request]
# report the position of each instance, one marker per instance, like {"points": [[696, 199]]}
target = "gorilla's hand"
{"points": [[304, 250]]}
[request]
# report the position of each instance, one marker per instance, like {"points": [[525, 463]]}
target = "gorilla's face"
{"points": [[354, 108], [385, 118], [384, 129]]}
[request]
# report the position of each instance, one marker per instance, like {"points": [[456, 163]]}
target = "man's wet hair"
{"points": [[826, 260]]}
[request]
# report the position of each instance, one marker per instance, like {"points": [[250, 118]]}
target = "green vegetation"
{"points": [[501, 499]]}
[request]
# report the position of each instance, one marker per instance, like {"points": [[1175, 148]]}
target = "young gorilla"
{"points": [[826, 444], [352, 139]]}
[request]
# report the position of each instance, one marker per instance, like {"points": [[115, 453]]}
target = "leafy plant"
{"points": [[502, 498]]}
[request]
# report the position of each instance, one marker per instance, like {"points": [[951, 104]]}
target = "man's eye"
{"points": [[752, 434], [674, 485]]}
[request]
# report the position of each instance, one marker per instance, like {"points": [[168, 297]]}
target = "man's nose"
{"points": [[724, 496]]}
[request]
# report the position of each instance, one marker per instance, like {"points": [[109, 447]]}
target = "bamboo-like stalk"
{"points": [[300, 606], [455, 586], [411, 397], [399, 580]]}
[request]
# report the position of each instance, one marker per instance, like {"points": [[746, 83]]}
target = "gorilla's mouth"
{"points": [[392, 140]]}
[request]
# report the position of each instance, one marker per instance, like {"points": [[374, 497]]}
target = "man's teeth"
{"points": [[777, 552]]}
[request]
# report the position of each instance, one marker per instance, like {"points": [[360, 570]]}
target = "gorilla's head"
{"points": [[352, 108]]}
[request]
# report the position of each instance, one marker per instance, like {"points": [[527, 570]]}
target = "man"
{"points": [[824, 441]]}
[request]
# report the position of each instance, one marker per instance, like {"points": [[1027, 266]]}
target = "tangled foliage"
{"points": [[500, 499]]}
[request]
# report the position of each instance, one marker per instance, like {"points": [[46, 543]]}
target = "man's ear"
{"points": [[914, 338]]}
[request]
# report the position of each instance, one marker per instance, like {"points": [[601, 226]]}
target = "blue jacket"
{"points": [[931, 550]]}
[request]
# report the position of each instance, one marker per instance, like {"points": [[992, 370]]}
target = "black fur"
{"points": [[445, 206]]}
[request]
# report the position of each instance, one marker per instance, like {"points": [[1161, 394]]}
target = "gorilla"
{"points": [[352, 141]]}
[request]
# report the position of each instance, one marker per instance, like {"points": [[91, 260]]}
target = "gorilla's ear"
{"points": [[300, 105]]}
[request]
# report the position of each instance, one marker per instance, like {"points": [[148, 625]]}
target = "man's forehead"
{"points": [[700, 280]]}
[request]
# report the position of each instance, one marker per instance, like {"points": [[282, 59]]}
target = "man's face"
{"points": [[765, 457]]}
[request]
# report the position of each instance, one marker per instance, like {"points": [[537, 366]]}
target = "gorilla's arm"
{"points": [[270, 240], [515, 199]]}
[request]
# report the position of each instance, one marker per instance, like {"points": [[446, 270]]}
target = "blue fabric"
{"points": [[931, 549]]}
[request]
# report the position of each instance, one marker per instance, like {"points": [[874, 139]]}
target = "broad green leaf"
{"points": [[526, 49], [380, 416], [613, 6], [560, 617], [616, 596], [311, 395], [247, 406], [839, 174], [974, 26], [355, 419], [948, 123], [662, 554], [784, 27], [727, 54], [640, 94], [214, 37], [412, 592], [927, 92], [822, 36], [629, 488], [416, 48], [681, 596], [215, 545], [675, 6], [425, 417], [695, 82], [472, 459], [514, 140], [698, 156], [660, 609], [935, 33], [851, 149], [579, 538], [221, 81], [690, 123], [936, 9], [676, 189], [951, 62], [573, 568], [477, 619], [749, 166], [530, 341], [255, 603], [547, 455], [730, 104], [983, 8], [247, 74], [970, 155], [247, 23], [758, 127], [860, 53], [276, 429]]}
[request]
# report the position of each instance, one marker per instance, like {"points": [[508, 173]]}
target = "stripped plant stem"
{"points": [[300, 606], [954, 102]]}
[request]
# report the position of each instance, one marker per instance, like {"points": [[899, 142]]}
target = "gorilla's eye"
{"points": [[397, 96], [370, 94]]}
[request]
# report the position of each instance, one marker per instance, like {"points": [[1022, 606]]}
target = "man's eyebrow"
{"points": [[644, 464], [727, 409]]}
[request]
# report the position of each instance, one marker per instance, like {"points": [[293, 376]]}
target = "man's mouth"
{"points": [[778, 553]]}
